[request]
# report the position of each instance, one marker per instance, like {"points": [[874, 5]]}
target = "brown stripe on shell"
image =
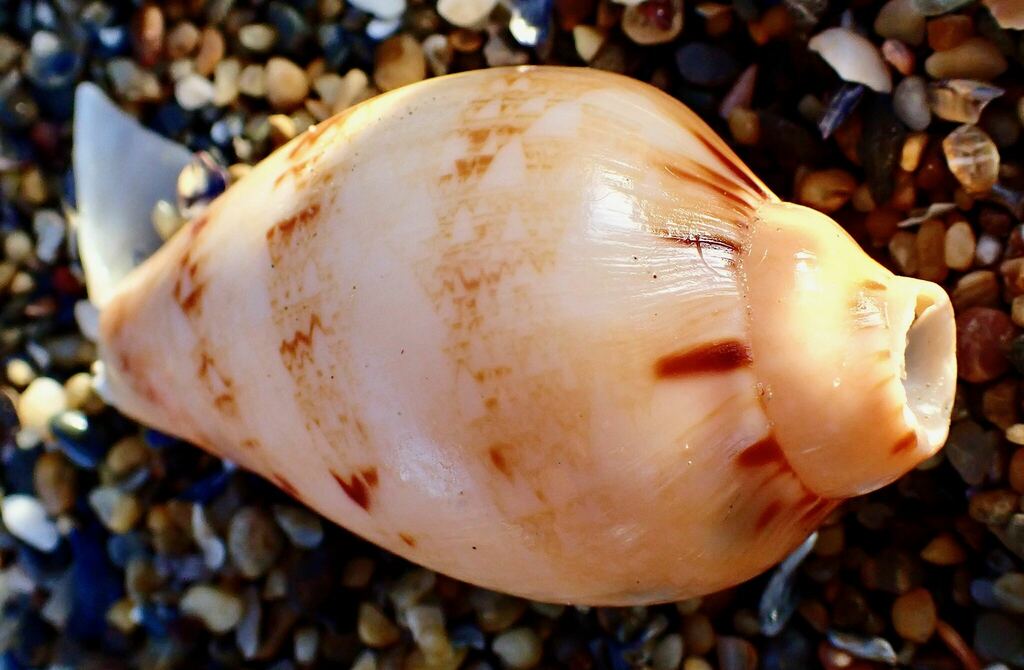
{"points": [[700, 241], [744, 178], [872, 285], [763, 453], [723, 187], [711, 358], [358, 486], [905, 443], [769, 514]]}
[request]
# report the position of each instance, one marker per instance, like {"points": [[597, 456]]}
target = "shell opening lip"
{"points": [[929, 365]]}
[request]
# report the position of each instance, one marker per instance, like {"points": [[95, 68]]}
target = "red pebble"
{"points": [[983, 336]]}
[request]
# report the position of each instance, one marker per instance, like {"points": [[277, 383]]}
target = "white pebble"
{"points": [[180, 69], [306, 642], [166, 219], [226, 81], [519, 648], [43, 398], [193, 91], [25, 518], [382, 9], [49, 227], [379, 29], [19, 372], [217, 608], [253, 81], [17, 246], [365, 661], [465, 13], [247, 635], [853, 57], [257, 36]]}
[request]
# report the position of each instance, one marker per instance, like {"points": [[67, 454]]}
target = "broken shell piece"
{"points": [[853, 57], [961, 100], [581, 330], [972, 157]]}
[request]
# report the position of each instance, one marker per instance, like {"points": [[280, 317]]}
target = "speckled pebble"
{"points": [[219, 610], [374, 628], [254, 541]]}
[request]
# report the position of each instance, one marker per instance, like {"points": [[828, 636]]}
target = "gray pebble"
{"points": [[254, 541], [910, 103]]}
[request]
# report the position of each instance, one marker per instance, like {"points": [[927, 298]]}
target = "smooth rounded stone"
{"points": [[132, 83], [375, 629], [698, 634], [519, 648], [43, 399], [211, 51], [999, 638], [901, 20], [302, 527], [706, 64], [427, 625], [944, 550], [254, 541], [972, 157], [411, 588], [385, 9], [17, 246], [219, 610], [960, 246], [899, 55], [81, 395], [668, 653], [117, 510], [735, 653], [182, 40], [1009, 14], [399, 61], [287, 85], [913, 616], [936, 7], [357, 573], [20, 372], [653, 21], [826, 190], [55, 482], [1008, 591], [971, 450], [976, 58], [252, 81], [439, 53], [588, 40], [993, 507], [306, 643], [25, 518], [226, 81], [49, 227], [193, 92], [379, 29], [214, 551], [983, 338], [498, 53], [496, 611], [465, 13], [853, 57], [258, 37]]}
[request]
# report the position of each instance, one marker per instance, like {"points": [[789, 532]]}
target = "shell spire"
{"points": [[518, 324]]}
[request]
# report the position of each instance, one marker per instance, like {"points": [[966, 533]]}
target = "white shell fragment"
{"points": [[26, 519], [853, 57]]}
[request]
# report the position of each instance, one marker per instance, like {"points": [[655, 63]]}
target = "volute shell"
{"points": [[539, 329]]}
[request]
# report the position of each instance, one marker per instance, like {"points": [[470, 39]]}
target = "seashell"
{"points": [[853, 57], [961, 100], [561, 344]]}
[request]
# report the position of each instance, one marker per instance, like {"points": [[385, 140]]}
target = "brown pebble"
{"points": [[571, 13], [913, 616], [148, 34], [287, 85], [211, 51], [182, 40], [983, 335], [1015, 471], [831, 541], [943, 549], [775, 23], [735, 653], [399, 61], [975, 289], [993, 507], [466, 41], [903, 249], [960, 244], [974, 58], [826, 190], [947, 32], [900, 56], [999, 403], [745, 126], [55, 482], [698, 634], [815, 614], [931, 251]]}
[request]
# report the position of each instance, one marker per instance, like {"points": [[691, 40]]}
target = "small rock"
{"points": [[1009, 14], [1009, 592], [901, 20], [653, 21], [227, 81], [853, 57], [868, 648], [254, 542], [993, 507], [49, 227], [975, 58], [705, 64], [913, 616], [211, 51], [439, 53], [826, 190], [357, 573], [465, 13], [182, 40], [936, 7], [983, 338], [55, 482], [119, 511], [947, 32], [193, 92], [42, 400], [252, 81], [25, 518], [218, 609], [306, 642], [302, 527], [399, 61], [698, 634], [668, 653], [971, 450], [374, 628], [735, 653], [1000, 638], [384, 9], [960, 246], [287, 85], [258, 37], [496, 612], [899, 55], [943, 549], [972, 157], [17, 246], [519, 648]]}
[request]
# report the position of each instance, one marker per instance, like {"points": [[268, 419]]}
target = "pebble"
{"points": [[944, 550], [1000, 638], [252, 81], [42, 400], [868, 648], [25, 517], [17, 246], [972, 157], [227, 81], [49, 227], [668, 653], [117, 510], [910, 103], [698, 634], [1008, 590], [993, 507], [901, 20], [971, 450], [983, 337], [465, 13], [826, 190], [936, 7], [219, 610], [853, 57], [254, 542], [975, 58], [258, 37], [947, 32], [735, 653], [519, 648], [211, 51], [960, 246], [286, 83], [375, 629], [899, 55], [653, 21], [357, 573], [20, 372], [193, 91], [385, 9], [496, 612], [302, 527], [214, 551], [588, 40], [399, 61], [305, 643], [913, 616], [55, 482], [706, 64], [182, 40]]}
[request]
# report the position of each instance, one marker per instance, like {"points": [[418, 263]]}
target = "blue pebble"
{"points": [[292, 29], [78, 439], [156, 618], [839, 108], [18, 468], [121, 549], [157, 440], [97, 584], [468, 635], [112, 41], [208, 488], [171, 120], [335, 43], [531, 22]]}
